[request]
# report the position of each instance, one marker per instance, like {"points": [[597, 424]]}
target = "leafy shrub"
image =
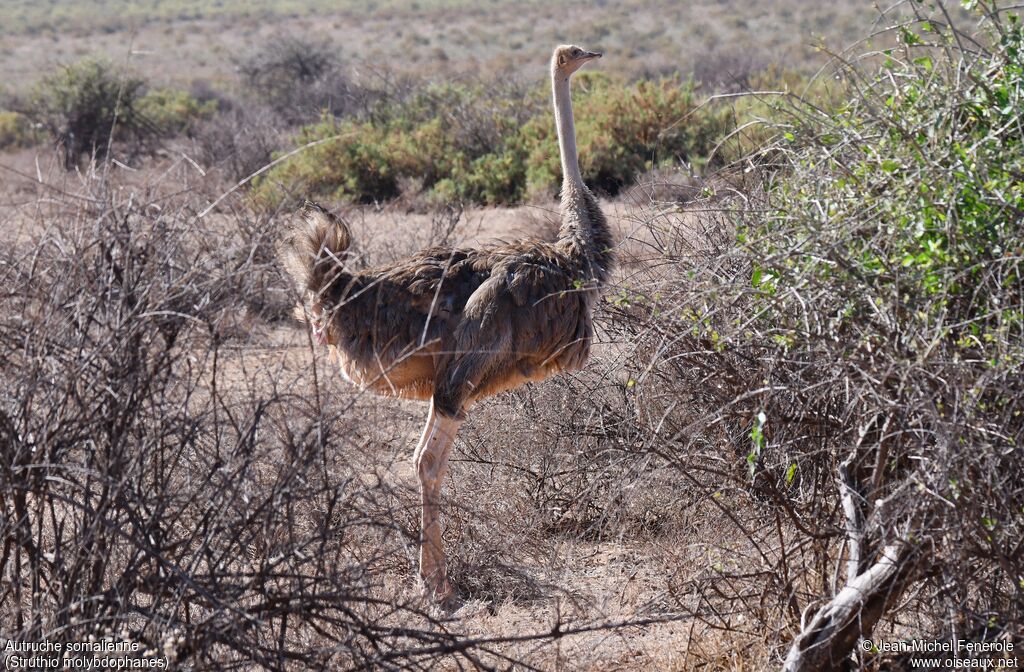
{"points": [[498, 146], [843, 377], [16, 131], [360, 163], [889, 277], [171, 111], [83, 105], [433, 135], [927, 188], [491, 179], [143, 469]]}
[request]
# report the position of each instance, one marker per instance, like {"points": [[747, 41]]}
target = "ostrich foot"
{"points": [[441, 595]]}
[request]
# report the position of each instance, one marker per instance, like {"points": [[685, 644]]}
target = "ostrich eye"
{"points": [[575, 52]]}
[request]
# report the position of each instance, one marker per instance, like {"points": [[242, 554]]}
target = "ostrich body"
{"points": [[453, 325]]}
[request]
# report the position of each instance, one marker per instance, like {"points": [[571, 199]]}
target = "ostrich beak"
{"points": [[587, 55]]}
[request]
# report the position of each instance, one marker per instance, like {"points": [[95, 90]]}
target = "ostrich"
{"points": [[453, 325]]}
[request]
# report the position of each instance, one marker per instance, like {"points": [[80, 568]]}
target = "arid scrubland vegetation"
{"points": [[800, 427]]}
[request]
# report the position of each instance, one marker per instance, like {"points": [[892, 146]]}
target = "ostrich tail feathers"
{"points": [[315, 250]]}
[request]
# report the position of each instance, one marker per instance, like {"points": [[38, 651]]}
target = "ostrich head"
{"points": [[314, 252], [568, 58]]}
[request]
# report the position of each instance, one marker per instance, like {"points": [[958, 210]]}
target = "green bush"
{"points": [[851, 361], [914, 191], [16, 131], [83, 104], [171, 111], [885, 288], [360, 164], [86, 105], [480, 145], [491, 179]]}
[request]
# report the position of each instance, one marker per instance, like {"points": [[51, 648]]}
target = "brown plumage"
{"points": [[455, 325]]}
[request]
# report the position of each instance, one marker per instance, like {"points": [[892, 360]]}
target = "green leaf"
{"points": [[757, 438], [909, 37]]}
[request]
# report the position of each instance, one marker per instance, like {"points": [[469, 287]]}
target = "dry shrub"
{"points": [[552, 469], [239, 141], [730, 68], [152, 490], [665, 185], [300, 78]]}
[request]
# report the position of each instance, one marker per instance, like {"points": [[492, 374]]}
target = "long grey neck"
{"points": [[584, 230], [566, 130]]}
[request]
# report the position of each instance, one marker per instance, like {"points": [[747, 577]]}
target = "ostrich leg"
{"points": [[431, 460]]}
